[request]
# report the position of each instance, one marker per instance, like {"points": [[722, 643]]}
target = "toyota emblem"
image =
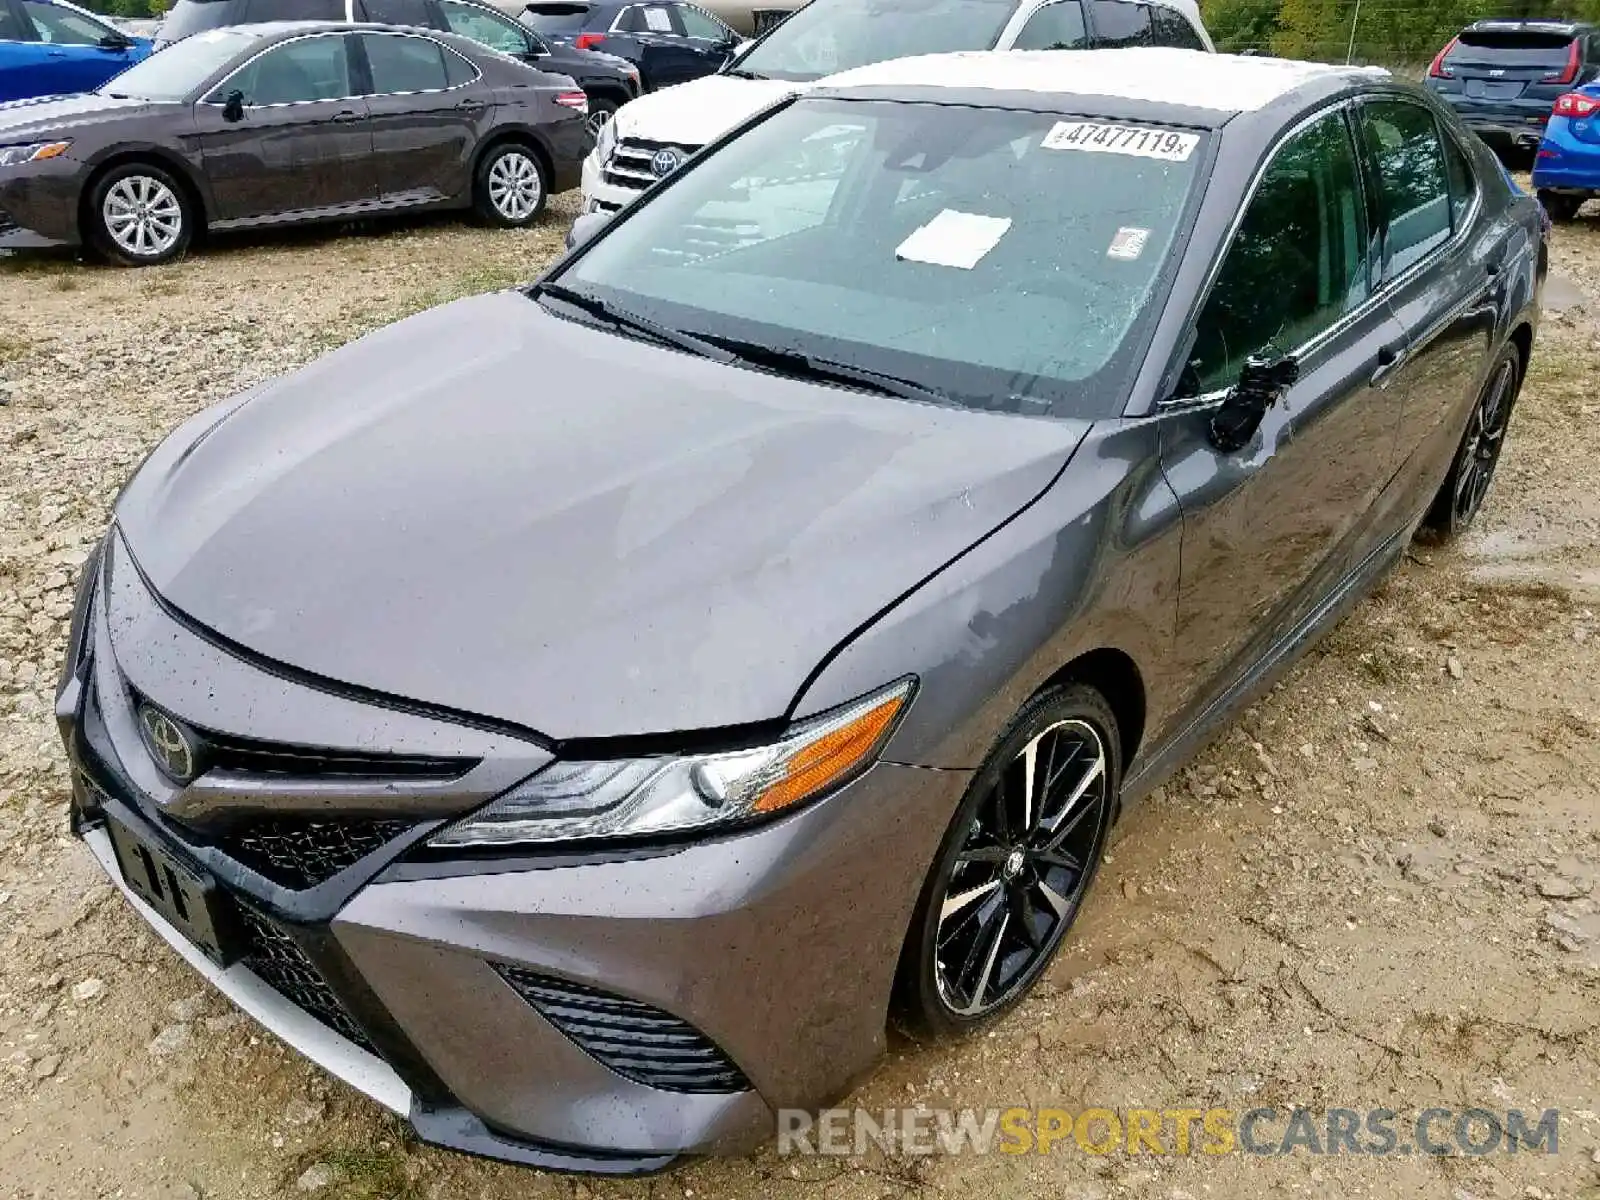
{"points": [[169, 743], [664, 162]]}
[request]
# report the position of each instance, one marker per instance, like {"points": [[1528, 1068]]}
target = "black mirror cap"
{"points": [[115, 41], [1262, 382], [585, 227], [233, 106]]}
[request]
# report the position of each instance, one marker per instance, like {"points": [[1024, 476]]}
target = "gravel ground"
{"points": [[1378, 888]]}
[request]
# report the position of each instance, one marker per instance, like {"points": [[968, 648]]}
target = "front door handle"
{"points": [[346, 117]]}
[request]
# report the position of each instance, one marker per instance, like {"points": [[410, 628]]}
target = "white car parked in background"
{"points": [[651, 136]]}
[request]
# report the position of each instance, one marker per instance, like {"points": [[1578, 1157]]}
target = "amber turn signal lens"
{"points": [[51, 151], [831, 757]]}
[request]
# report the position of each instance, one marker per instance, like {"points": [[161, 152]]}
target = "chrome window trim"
{"points": [[340, 33], [1379, 290]]}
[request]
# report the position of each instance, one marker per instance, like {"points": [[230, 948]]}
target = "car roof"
{"points": [[1225, 83]]}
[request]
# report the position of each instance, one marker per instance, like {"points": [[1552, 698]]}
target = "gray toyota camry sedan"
{"points": [[581, 718]]}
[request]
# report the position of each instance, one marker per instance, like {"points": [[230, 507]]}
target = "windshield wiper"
{"points": [[740, 73], [623, 319], [799, 364]]}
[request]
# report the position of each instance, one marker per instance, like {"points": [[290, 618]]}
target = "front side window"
{"points": [[1054, 27], [1298, 261], [1413, 189], [827, 36], [1169, 27], [309, 68], [1005, 259], [697, 24], [404, 64], [61, 26], [1118, 23], [489, 29]]}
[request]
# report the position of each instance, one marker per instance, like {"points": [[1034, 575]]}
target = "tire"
{"points": [[1461, 495], [601, 110], [1561, 206], [510, 186], [999, 899], [139, 215]]}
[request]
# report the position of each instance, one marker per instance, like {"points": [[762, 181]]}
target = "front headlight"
{"points": [[15, 156], [606, 143], [632, 797]]}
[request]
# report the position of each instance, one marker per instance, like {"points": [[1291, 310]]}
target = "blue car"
{"points": [[1567, 170], [51, 48]]}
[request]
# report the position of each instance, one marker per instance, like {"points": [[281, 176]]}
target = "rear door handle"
{"points": [[1389, 360], [346, 117]]}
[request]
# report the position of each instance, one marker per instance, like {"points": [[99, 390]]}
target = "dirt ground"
{"points": [[1379, 888]]}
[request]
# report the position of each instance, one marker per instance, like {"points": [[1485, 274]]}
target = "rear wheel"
{"points": [[139, 216], [1562, 206], [510, 187], [1464, 488], [1014, 866]]}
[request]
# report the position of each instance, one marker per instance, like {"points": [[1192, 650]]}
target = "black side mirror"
{"points": [[233, 106], [115, 41], [585, 227], [1262, 382]]}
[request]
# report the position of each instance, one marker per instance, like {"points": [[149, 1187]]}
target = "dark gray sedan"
{"points": [[284, 123], [579, 717]]}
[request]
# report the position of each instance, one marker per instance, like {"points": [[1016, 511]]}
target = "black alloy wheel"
{"points": [[1472, 471], [1015, 864]]}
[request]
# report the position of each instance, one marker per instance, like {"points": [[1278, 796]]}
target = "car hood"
{"points": [[493, 509], [692, 114], [51, 116]]}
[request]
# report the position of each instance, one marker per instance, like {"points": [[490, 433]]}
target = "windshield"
{"points": [[176, 71], [1003, 259], [827, 36]]}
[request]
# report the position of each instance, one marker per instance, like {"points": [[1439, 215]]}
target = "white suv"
{"points": [[651, 136]]}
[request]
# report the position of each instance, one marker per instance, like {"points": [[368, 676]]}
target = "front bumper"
{"points": [[598, 195], [772, 950], [39, 204]]}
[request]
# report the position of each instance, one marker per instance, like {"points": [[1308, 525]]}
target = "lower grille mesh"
{"points": [[300, 853], [280, 963], [638, 1042]]}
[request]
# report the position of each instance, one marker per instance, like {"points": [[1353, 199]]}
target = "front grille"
{"points": [[246, 756], [638, 1042], [277, 959], [298, 852], [629, 165]]}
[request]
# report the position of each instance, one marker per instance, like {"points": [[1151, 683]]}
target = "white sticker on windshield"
{"points": [[954, 239], [1140, 141], [1128, 243], [658, 20]]}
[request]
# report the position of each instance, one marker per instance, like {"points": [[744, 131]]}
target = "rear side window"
{"points": [[1169, 27], [1463, 182], [404, 64], [556, 19], [1117, 24], [295, 10], [1413, 186], [398, 12], [1298, 262], [1054, 27]]}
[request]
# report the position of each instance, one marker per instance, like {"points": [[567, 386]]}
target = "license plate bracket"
{"points": [[189, 900]]}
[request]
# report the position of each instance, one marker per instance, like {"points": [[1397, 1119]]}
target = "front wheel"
{"points": [[1472, 470], [1014, 866], [510, 187], [138, 215]]}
